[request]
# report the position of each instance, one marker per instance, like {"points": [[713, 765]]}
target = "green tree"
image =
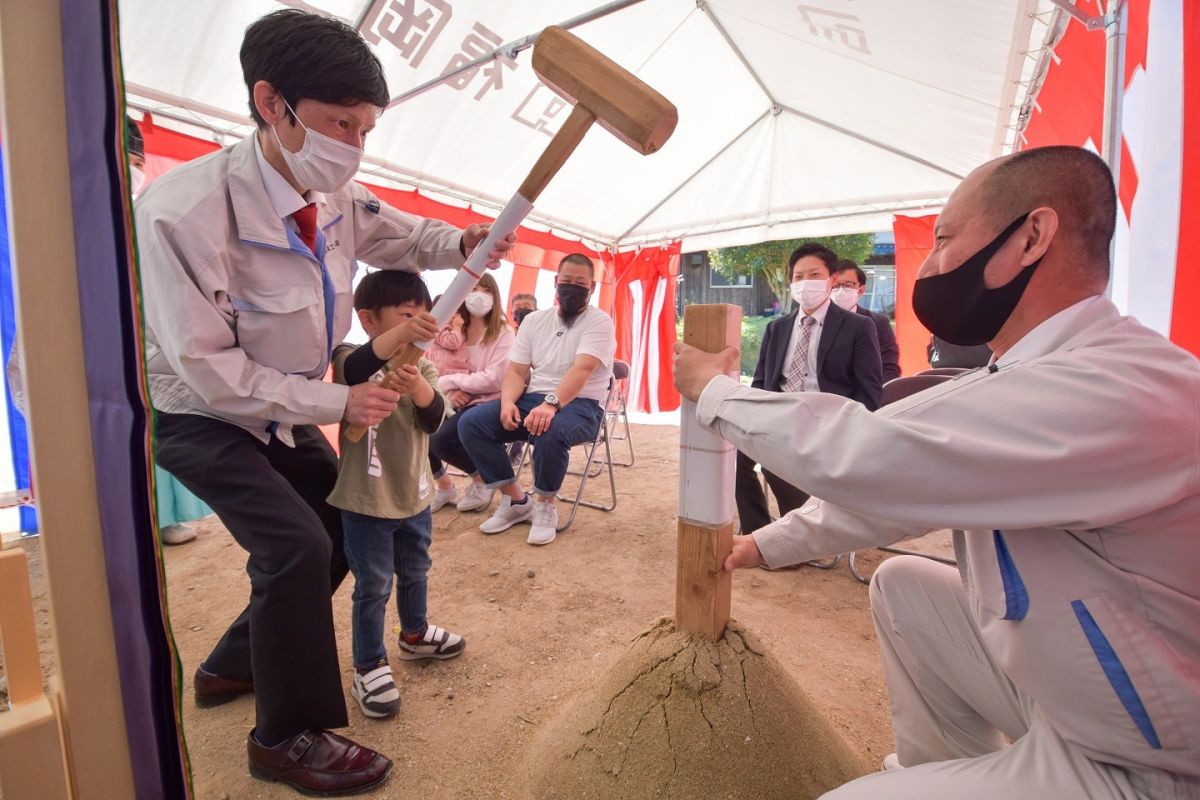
{"points": [[768, 260]]}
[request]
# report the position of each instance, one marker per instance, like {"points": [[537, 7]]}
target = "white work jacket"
{"points": [[1075, 474], [241, 317]]}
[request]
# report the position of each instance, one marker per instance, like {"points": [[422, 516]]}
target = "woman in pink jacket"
{"points": [[487, 338]]}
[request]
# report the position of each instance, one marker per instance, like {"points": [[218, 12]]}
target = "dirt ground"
{"points": [[541, 625]]}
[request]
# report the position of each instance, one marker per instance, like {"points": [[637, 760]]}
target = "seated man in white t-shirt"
{"points": [[565, 354]]}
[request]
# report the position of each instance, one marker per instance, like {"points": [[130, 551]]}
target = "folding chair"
{"points": [[898, 389], [616, 409], [590, 461]]}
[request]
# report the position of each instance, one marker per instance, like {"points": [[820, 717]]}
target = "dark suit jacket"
{"points": [[889, 351], [847, 356]]}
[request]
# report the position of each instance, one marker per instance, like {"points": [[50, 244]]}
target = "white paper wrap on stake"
{"points": [[706, 471], [468, 275]]}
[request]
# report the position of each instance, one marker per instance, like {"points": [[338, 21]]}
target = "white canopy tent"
{"points": [[822, 117]]}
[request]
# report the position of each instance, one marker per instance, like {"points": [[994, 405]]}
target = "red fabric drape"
{"points": [[644, 311], [914, 241], [1185, 323], [1071, 104]]}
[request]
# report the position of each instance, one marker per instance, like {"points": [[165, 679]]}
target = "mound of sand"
{"points": [[680, 716]]}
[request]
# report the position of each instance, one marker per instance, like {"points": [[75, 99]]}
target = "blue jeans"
{"points": [[484, 439], [377, 549]]}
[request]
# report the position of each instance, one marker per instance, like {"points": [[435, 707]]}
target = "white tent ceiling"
{"points": [[794, 119]]}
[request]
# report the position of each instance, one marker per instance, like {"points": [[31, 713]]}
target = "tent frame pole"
{"points": [[509, 50], [777, 107]]}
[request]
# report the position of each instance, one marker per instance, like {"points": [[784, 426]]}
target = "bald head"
{"points": [[1075, 182]]}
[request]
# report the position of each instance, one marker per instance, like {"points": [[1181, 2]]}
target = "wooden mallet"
{"points": [[602, 92]]}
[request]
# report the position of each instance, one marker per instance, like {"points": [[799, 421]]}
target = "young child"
{"points": [[384, 489], [447, 351]]}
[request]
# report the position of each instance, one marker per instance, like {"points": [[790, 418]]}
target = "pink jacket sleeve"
{"points": [[489, 378]]}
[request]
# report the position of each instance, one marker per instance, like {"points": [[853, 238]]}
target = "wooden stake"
{"points": [[706, 474]]}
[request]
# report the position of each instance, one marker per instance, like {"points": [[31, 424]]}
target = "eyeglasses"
{"points": [[848, 285]]}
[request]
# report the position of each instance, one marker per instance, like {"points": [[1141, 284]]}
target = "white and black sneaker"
{"points": [[508, 514], [376, 692], [435, 642]]}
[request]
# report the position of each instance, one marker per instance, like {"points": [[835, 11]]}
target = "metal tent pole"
{"points": [[510, 49]]}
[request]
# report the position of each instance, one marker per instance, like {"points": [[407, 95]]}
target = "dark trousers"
{"points": [[753, 511], [271, 497], [444, 444]]}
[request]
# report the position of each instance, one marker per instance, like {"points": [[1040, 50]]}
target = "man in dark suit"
{"points": [[818, 347], [849, 285]]}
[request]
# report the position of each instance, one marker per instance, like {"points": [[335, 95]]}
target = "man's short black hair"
{"points": [[390, 287], [134, 142], [307, 56], [581, 260], [845, 265], [814, 249]]}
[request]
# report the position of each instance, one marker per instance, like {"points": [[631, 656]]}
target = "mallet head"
{"points": [[619, 100]]}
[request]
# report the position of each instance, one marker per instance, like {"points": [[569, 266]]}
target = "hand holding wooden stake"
{"points": [[602, 92], [706, 473]]}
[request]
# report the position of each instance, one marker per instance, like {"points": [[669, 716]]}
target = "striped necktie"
{"points": [[798, 368]]}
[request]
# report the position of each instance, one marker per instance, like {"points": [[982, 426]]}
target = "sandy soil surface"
{"points": [[541, 624]]}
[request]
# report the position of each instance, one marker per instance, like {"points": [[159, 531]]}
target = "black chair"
{"points": [[952, 371]]}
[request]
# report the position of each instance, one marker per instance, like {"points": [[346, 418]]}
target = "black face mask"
{"points": [[957, 307], [572, 299]]}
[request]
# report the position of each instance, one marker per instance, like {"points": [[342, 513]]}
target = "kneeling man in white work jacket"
{"points": [[1072, 625]]}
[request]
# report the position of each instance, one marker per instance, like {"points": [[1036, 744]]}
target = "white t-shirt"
{"points": [[549, 346]]}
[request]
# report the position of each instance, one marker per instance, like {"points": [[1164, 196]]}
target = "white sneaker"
{"points": [[508, 514], [177, 534], [443, 497], [545, 523], [476, 498], [891, 762]]}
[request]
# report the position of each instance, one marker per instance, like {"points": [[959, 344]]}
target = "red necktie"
{"points": [[306, 222]]}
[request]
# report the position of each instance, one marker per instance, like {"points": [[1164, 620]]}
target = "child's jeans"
{"points": [[377, 549]]}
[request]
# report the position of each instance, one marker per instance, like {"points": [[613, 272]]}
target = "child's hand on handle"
{"points": [[421, 328], [402, 379]]}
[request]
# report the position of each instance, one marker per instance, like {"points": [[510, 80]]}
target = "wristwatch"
{"points": [[552, 400]]}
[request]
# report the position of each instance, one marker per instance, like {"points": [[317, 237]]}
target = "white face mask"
{"points": [[846, 298], [479, 303], [321, 163], [810, 294], [137, 179]]}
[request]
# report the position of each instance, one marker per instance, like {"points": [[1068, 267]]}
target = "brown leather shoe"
{"points": [[318, 763], [213, 690]]}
